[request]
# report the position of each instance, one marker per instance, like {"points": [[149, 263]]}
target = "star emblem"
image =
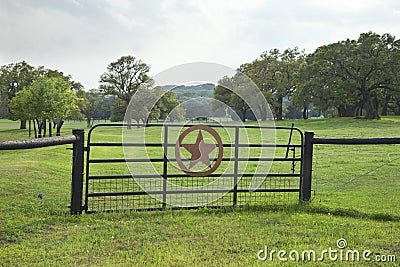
{"points": [[200, 151]]}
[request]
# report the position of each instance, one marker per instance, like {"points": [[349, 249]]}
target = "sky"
{"points": [[81, 37]]}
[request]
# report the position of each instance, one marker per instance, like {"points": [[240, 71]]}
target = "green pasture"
{"points": [[355, 197]]}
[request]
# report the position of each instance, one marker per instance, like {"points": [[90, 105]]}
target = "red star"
{"points": [[200, 151]]}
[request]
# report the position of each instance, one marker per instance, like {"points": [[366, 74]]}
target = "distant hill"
{"points": [[187, 92]]}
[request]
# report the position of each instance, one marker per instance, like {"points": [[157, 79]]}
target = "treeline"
{"points": [[37, 95], [45, 97], [348, 78]]}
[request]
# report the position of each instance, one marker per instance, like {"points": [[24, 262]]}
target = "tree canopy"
{"points": [[124, 77], [347, 78], [273, 72], [13, 78], [155, 103], [46, 99], [352, 76]]}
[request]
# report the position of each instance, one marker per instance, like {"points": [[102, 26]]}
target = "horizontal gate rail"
{"points": [[172, 145], [138, 193], [147, 176], [189, 125], [174, 160], [106, 191]]}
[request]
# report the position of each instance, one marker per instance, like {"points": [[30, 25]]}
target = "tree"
{"points": [[273, 72], [177, 114], [124, 77], [46, 99], [118, 110], [227, 92], [155, 103], [21, 108], [105, 110], [13, 78], [241, 94], [353, 75], [143, 105], [92, 105], [166, 103], [198, 107]]}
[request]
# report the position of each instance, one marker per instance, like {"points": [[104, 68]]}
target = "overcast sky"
{"points": [[81, 37]]}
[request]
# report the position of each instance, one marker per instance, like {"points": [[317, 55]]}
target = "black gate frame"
{"points": [[165, 175]]}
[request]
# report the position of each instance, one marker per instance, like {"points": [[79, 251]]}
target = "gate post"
{"points": [[305, 187], [77, 171]]}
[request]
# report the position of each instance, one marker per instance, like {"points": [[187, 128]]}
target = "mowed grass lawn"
{"points": [[355, 197]]}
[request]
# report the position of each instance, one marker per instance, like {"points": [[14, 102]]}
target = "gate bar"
{"points": [[165, 166], [235, 167], [146, 176], [196, 191]]}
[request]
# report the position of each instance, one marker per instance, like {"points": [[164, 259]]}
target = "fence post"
{"points": [[77, 171], [305, 189]]}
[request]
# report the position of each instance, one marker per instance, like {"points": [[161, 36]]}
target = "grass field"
{"points": [[355, 197]]}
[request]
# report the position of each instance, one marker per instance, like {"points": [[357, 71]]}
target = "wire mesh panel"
{"points": [[158, 166]]}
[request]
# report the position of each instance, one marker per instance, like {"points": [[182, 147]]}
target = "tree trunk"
{"points": [[129, 114], [22, 125], [129, 122], [359, 112], [243, 115], [88, 120], [386, 105], [305, 113], [279, 109], [370, 111], [30, 128], [44, 128], [59, 125], [50, 129], [40, 126], [346, 111], [34, 128]]}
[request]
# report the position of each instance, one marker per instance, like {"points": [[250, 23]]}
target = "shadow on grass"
{"points": [[309, 209], [301, 207]]}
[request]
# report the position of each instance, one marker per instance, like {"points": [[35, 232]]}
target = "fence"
{"points": [[236, 195], [310, 141], [77, 139]]}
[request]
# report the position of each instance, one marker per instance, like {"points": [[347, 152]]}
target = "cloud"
{"points": [[82, 37]]}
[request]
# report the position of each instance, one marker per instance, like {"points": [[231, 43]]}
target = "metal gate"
{"points": [[238, 167]]}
